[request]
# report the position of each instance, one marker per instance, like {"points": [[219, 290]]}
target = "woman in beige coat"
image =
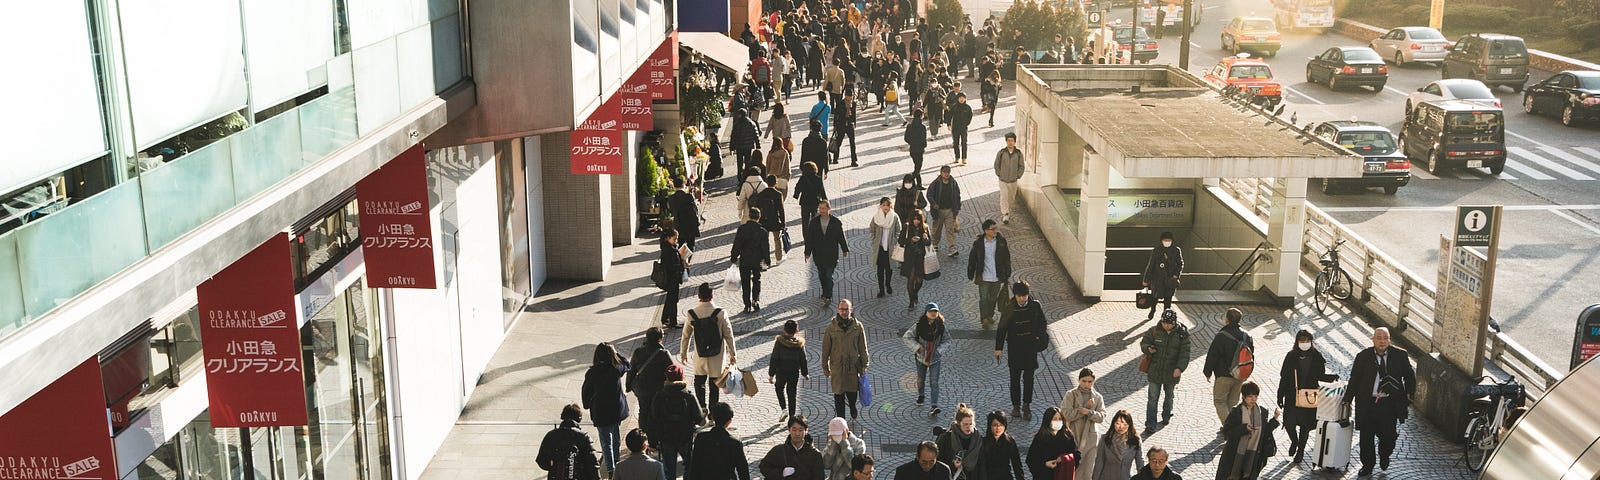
{"points": [[1084, 409], [844, 358]]}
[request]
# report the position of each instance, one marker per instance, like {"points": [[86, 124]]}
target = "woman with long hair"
{"points": [[1052, 444], [1119, 451], [961, 446], [885, 234], [603, 395], [1001, 459], [927, 338], [914, 238]]}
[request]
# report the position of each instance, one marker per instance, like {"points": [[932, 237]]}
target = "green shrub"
{"points": [[944, 15], [1479, 17], [1586, 33]]}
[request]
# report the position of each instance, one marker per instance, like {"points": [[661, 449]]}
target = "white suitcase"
{"points": [[1331, 448]]}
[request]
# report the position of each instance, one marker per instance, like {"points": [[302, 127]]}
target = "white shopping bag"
{"points": [[1332, 406], [730, 280]]}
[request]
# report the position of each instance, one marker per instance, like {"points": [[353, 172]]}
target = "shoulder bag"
{"points": [[1305, 397]]}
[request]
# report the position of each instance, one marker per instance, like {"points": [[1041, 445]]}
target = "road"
{"points": [[1551, 185]]}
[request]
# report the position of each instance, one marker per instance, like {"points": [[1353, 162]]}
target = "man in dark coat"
{"points": [[770, 202], [1220, 361], [743, 140], [960, 118], [1382, 382], [926, 466], [1162, 273], [685, 213], [916, 137], [649, 372], [1167, 345], [566, 452], [944, 202], [795, 459], [814, 149], [989, 266], [825, 243], [717, 455], [675, 414], [751, 252], [1024, 326]]}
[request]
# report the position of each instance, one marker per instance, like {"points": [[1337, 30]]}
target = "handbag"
{"points": [[788, 145], [1306, 397], [835, 142], [1144, 299], [930, 264], [897, 253], [658, 275], [1144, 364], [748, 381], [865, 390], [787, 244]]}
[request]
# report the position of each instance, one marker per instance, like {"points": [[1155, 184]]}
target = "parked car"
{"points": [[1252, 34], [1137, 43], [1411, 44], [1455, 133], [1574, 93], [1249, 74], [1383, 164], [1453, 88], [1348, 66], [1491, 58]]}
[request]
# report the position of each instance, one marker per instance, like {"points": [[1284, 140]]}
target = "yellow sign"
{"points": [[1436, 15]]}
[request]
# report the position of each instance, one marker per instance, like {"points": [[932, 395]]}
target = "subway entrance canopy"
{"points": [[1117, 154]]}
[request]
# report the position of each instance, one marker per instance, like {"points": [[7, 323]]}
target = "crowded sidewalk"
{"points": [[541, 364]]}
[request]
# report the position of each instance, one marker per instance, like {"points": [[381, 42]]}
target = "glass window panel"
{"points": [[11, 311], [265, 154], [67, 252], [377, 92], [416, 64], [184, 64], [372, 21], [287, 45], [161, 465], [181, 195], [327, 124], [447, 59], [610, 46], [50, 42], [585, 54], [366, 342], [332, 420]]}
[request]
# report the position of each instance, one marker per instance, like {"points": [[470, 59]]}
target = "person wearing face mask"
{"points": [[1303, 368], [908, 198], [1054, 452], [843, 445], [1002, 460], [961, 447], [1161, 273], [1084, 409], [914, 238], [1167, 345]]}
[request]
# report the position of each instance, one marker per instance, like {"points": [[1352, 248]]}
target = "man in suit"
{"points": [[751, 252], [1382, 382], [824, 237], [685, 213], [717, 455]]}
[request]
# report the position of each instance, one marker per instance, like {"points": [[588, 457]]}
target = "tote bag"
{"points": [[930, 264], [865, 394]]}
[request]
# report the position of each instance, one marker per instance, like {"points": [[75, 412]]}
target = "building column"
{"points": [[1049, 131], [1286, 233], [624, 197], [577, 213], [1092, 221]]}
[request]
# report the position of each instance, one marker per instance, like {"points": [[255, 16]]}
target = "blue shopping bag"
{"points": [[866, 391]]}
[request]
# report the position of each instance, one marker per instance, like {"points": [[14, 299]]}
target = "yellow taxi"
{"points": [[1252, 34]]}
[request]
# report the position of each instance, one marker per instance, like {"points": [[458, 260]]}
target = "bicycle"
{"points": [[1332, 283], [1504, 401]]}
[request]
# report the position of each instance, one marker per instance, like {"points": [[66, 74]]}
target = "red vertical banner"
{"points": [[597, 143], [634, 111], [396, 228], [249, 332], [663, 68], [61, 431]]}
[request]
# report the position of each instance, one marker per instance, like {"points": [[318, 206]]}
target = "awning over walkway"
{"points": [[718, 49]]}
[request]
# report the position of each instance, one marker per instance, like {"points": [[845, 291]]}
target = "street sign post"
{"points": [[1471, 220], [1466, 286], [1586, 340], [1472, 225]]}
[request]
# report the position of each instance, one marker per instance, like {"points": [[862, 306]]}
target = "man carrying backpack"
{"points": [[708, 330], [770, 203], [1230, 360], [675, 416], [566, 452]]}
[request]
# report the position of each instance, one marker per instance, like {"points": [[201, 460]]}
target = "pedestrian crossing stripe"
{"points": [[1543, 163], [1549, 164], [1573, 159]]}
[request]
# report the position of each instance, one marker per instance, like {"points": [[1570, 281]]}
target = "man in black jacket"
{"points": [[944, 202], [750, 252], [675, 414], [989, 266], [685, 213], [649, 371], [1382, 382], [1220, 360], [770, 202], [825, 239], [566, 452], [743, 139], [916, 137], [1023, 325], [926, 467], [719, 456], [960, 115], [814, 149]]}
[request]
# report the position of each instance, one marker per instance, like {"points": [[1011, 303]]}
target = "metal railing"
{"points": [[1386, 289]]}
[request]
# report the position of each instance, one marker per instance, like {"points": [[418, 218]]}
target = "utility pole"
{"points": [[1183, 47]]}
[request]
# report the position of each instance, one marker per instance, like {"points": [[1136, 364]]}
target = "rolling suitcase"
{"points": [[1332, 445]]}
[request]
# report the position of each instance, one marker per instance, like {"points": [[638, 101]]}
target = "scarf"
{"points": [[929, 331]]}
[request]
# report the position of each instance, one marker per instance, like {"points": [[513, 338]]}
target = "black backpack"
{"points": [[707, 335], [771, 207]]}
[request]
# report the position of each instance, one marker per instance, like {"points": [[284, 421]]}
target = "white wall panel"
{"points": [[287, 46], [585, 57], [377, 89], [374, 20], [428, 349], [538, 270], [478, 266], [49, 42], [184, 63]]}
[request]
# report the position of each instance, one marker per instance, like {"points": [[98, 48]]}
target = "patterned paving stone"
{"points": [[1102, 336]]}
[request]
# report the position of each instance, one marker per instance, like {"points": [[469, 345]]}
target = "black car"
{"points": [[1348, 66], [1574, 93], [1383, 164], [1455, 134], [1137, 43]]}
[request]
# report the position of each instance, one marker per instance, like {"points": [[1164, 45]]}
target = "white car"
{"points": [[1453, 88], [1411, 44]]}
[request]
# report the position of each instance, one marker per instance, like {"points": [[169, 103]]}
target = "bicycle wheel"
{"points": [[1342, 285], [1320, 291], [1479, 444]]}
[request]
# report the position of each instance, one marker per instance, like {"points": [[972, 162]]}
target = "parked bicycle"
{"points": [[1491, 410], [1332, 283]]}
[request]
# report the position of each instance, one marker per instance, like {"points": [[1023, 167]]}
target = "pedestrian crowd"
{"points": [[848, 53]]}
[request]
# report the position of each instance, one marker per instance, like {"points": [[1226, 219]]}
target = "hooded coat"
{"points": [[1172, 352], [844, 354], [788, 356]]}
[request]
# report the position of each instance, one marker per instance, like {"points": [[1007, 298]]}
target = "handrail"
{"points": [[1244, 267], [1391, 292]]}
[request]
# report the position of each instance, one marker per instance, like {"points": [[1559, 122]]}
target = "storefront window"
{"points": [[322, 243], [348, 419]]}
